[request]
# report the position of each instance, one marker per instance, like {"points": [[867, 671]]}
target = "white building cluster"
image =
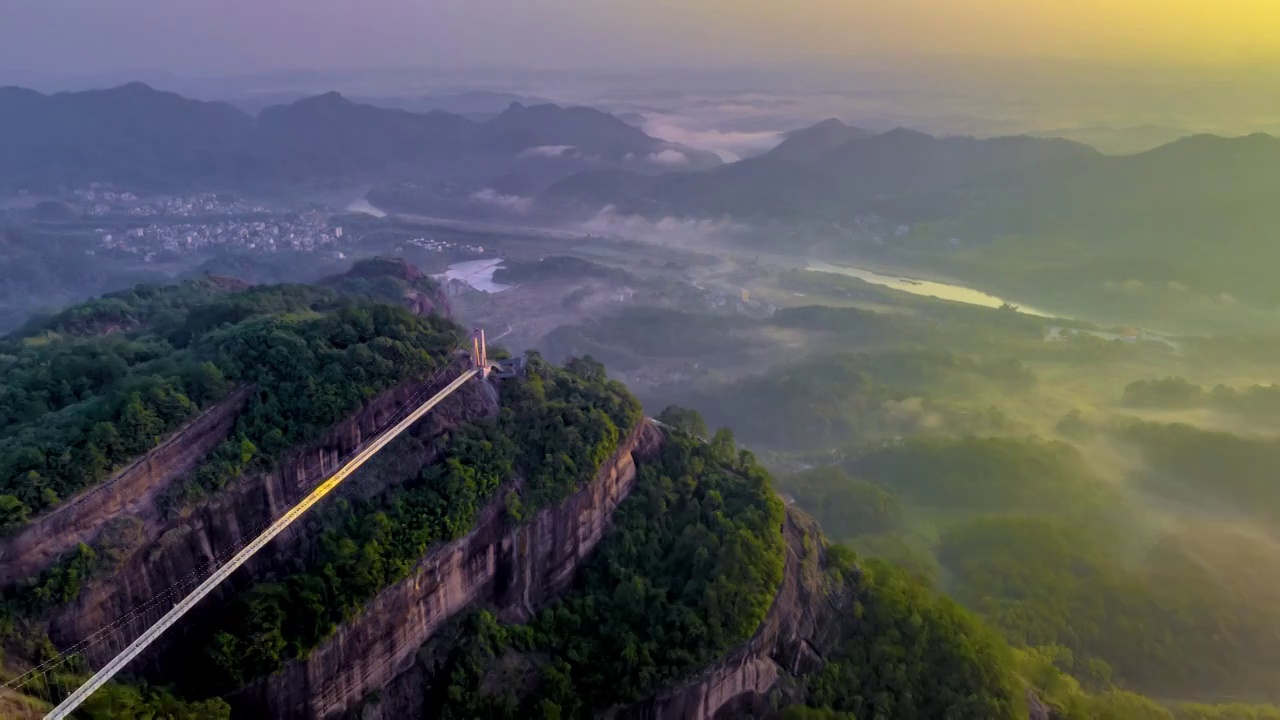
{"points": [[308, 232]]}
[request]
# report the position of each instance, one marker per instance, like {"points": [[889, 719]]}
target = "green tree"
{"points": [[13, 513], [684, 420], [845, 506]]}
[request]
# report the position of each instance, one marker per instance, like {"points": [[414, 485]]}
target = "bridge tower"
{"points": [[479, 352]]}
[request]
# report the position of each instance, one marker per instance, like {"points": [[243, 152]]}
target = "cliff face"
{"points": [[802, 627], [131, 491], [513, 569], [173, 555]]}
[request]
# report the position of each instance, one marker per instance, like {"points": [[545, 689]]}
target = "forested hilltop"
{"points": [[87, 391], [1045, 622], [697, 547], [91, 388], [1105, 502]]}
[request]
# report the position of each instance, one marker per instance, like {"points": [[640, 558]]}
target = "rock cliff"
{"points": [[513, 569], [171, 555], [131, 491], [801, 629]]}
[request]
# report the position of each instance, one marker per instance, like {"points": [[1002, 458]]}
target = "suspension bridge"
{"points": [[412, 411]]}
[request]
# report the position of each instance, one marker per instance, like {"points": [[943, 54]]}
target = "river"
{"points": [[478, 274], [927, 288], [362, 205]]}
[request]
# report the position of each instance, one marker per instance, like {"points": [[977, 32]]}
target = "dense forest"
{"points": [[1023, 533], [98, 384], [40, 269], [1231, 472], [983, 474], [688, 572], [825, 400], [555, 429], [91, 388], [1176, 393], [107, 380], [904, 652], [974, 547], [1117, 531]]}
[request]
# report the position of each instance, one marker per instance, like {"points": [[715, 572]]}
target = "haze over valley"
{"points": [[723, 374]]}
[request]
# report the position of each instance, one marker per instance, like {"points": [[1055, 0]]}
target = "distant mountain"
{"points": [[634, 118], [257, 102], [1185, 193], [808, 143], [1201, 190], [904, 162], [1207, 199], [588, 131], [132, 134], [811, 176], [758, 188], [592, 190], [139, 136], [1181, 236], [474, 103], [1119, 140], [329, 135], [478, 105]]}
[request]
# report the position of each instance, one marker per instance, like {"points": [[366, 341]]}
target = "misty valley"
{"points": [[871, 424]]}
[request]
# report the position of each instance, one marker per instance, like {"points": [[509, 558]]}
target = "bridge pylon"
{"points": [[479, 352]]}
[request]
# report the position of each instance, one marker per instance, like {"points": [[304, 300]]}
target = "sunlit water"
{"points": [[478, 274], [927, 288]]}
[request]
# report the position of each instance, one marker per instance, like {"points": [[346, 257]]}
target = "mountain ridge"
{"points": [[905, 174], [137, 135], [820, 177], [809, 142]]}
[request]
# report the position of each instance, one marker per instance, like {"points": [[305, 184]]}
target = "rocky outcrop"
{"points": [[421, 295], [173, 555], [1036, 708], [424, 303], [132, 491], [783, 645], [512, 568]]}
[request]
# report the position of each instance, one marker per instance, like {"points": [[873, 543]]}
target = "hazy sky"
{"points": [[42, 37]]}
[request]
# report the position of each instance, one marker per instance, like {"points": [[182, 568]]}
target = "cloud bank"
{"points": [[673, 158], [509, 203], [668, 230], [547, 151], [730, 145]]}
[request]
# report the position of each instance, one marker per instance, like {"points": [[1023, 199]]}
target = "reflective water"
{"points": [[927, 288], [478, 274], [361, 205]]}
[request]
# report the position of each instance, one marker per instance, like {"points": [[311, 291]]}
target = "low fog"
{"points": [[1006, 320]]}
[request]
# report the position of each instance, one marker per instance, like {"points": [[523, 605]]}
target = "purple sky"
{"points": [[53, 37]]}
